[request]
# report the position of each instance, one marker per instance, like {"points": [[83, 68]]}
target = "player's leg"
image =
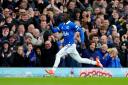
{"points": [[59, 55], [75, 55]]}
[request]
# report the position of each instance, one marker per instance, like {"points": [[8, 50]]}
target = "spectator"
{"points": [[115, 61], [27, 40], [31, 55], [86, 20], [77, 14], [95, 39], [100, 3], [90, 53], [25, 20], [5, 55], [36, 18], [71, 9], [48, 53], [20, 34], [103, 39], [5, 33], [115, 19], [103, 30], [123, 52], [9, 4], [6, 12], [23, 4], [19, 58], [116, 42], [40, 5], [37, 38], [39, 56], [104, 56], [87, 5], [13, 42], [31, 28]]}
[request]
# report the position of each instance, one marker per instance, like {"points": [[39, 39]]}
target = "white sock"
{"points": [[57, 62]]}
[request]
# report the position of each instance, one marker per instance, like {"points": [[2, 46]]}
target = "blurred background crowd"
{"points": [[27, 41]]}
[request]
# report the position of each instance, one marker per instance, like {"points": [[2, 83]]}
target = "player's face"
{"points": [[65, 17]]}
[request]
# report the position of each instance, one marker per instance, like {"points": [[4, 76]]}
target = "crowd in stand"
{"points": [[26, 39]]}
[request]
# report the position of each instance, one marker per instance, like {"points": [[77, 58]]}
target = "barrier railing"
{"points": [[64, 72]]}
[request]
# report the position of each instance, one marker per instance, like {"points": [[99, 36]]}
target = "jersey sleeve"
{"points": [[79, 29], [54, 30]]}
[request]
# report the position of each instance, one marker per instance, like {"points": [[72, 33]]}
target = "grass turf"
{"points": [[63, 81]]}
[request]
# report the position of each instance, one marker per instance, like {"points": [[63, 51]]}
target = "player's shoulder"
{"points": [[70, 23]]}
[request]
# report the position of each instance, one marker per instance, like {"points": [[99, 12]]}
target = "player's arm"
{"points": [[54, 30], [79, 29]]}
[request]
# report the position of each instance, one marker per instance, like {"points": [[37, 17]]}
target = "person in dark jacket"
{"points": [[123, 52], [90, 53], [49, 51], [5, 55], [19, 58]]}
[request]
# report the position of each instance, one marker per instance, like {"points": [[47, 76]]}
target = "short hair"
{"points": [[105, 46], [93, 35], [65, 17], [91, 42], [103, 27]]}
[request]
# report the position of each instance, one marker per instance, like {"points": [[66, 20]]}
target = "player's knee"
{"points": [[79, 60]]}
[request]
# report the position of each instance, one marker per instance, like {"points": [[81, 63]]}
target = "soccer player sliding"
{"points": [[68, 28]]}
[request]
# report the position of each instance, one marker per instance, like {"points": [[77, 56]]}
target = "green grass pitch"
{"points": [[63, 81]]}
